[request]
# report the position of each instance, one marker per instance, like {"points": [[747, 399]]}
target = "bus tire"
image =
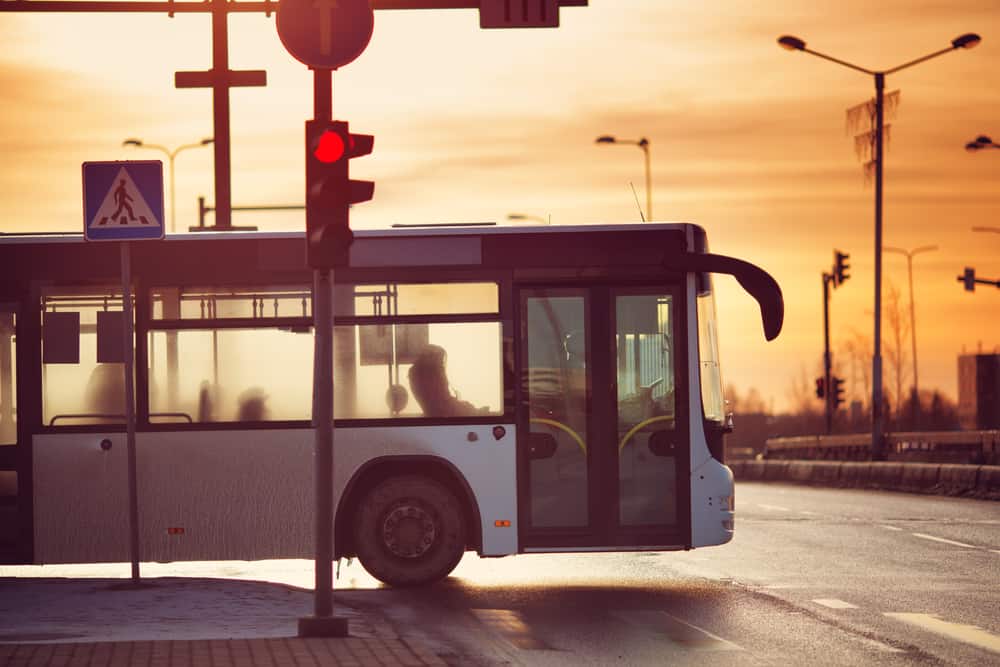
{"points": [[409, 531]]}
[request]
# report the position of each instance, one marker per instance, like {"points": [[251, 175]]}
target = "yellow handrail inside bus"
{"points": [[562, 427], [641, 425]]}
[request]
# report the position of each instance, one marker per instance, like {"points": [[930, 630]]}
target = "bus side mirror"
{"points": [[541, 445]]}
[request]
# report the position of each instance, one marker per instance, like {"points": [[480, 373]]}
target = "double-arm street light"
{"points": [[913, 310], [979, 143], [966, 41], [642, 143], [171, 154]]}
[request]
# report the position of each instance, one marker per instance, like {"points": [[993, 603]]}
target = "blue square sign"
{"points": [[123, 201]]}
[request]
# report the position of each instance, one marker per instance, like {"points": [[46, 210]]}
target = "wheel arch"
{"points": [[373, 472]]}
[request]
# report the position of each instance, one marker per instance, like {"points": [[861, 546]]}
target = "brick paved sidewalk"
{"points": [[274, 652]]}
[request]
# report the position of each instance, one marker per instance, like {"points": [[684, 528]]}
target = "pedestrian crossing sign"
{"points": [[123, 201]]}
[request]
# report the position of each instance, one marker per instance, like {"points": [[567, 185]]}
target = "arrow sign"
{"points": [[325, 34]]}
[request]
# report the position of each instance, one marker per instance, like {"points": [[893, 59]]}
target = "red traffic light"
{"points": [[331, 147]]}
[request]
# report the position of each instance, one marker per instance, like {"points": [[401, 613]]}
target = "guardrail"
{"points": [[975, 447]]}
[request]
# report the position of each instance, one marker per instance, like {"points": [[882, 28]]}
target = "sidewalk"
{"points": [[173, 621]]}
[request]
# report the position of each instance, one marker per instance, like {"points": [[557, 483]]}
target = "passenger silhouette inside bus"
{"points": [[429, 385]]}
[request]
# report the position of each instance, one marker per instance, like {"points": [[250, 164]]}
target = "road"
{"points": [[814, 576]]}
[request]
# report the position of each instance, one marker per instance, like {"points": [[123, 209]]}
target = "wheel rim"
{"points": [[408, 530]]}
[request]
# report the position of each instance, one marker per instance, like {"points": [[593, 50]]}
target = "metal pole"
{"points": [[323, 623], [133, 496], [173, 195], [828, 413], [323, 423], [649, 186], [220, 111], [877, 448], [913, 330]]}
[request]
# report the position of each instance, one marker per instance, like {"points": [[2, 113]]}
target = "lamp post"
{"points": [[979, 143], [171, 154], [529, 218], [966, 41], [913, 317], [642, 143]]}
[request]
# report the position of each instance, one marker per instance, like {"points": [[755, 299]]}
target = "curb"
{"points": [[946, 479]]}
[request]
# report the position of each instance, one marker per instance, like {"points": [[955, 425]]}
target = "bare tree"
{"points": [[895, 350]]}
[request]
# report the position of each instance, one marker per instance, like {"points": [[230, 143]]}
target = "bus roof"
{"points": [[448, 229]]}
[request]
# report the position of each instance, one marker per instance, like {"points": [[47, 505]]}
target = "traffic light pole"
{"points": [[827, 389], [323, 623]]}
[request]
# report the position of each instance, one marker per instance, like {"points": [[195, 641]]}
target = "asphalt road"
{"points": [[814, 576]]}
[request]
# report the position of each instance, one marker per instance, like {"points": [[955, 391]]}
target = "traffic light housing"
{"points": [[330, 192], [820, 388], [836, 391], [840, 267], [969, 278]]}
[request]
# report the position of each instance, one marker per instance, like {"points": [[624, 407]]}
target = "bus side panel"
{"points": [[247, 494], [483, 454]]}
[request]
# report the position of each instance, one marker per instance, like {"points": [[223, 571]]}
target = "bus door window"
{"points": [[8, 371], [647, 443], [82, 370], [555, 373]]}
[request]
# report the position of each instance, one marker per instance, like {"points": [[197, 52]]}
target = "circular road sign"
{"points": [[325, 34]]}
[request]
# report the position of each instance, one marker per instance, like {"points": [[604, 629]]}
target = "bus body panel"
{"points": [[712, 484], [237, 494]]}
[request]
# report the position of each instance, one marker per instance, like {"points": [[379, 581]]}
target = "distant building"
{"points": [[979, 391]]}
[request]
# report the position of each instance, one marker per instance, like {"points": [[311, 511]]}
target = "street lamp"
{"points": [[171, 154], [642, 143], [913, 317], [966, 41], [530, 218], [979, 143]]}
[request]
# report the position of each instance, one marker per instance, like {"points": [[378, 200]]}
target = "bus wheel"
{"points": [[409, 531]]}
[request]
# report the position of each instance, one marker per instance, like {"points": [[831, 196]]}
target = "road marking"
{"points": [[890, 527], [970, 634], [774, 507], [678, 631], [833, 603], [511, 626], [808, 513], [944, 541]]}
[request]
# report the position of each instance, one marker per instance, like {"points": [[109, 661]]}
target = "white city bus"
{"points": [[503, 390]]}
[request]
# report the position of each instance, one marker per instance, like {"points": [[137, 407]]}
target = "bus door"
{"points": [[603, 444], [9, 519]]}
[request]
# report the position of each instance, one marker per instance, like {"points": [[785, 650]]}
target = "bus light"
{"points": [[330, 192], [501, 523]]}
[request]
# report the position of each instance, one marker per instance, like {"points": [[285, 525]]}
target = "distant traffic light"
{"points": [[330, 191], [836, 391], [820, 385], [840, 267], [969, 278]]}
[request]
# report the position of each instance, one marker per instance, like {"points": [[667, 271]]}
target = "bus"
{"points": [[502, 390]]}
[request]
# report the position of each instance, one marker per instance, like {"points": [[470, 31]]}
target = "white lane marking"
{"points": [[944, 541], [834, 603], [996, 551], [774, 507], [890, 527], [681, 632], [807, 512], [970, 634]]}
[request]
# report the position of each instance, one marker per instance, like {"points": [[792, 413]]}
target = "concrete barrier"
{"points": [[957, 478], [885, 475], [943, 479], [920, 476], [988, 481]]}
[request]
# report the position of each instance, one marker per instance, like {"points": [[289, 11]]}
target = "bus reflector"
{"points": [[175, 531], [500, 523]]}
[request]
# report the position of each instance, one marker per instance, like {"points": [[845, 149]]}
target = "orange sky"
{"points": [[747, 140]]}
